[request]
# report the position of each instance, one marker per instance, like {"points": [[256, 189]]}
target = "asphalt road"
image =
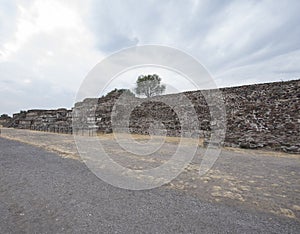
{"points": [[42, 192]]}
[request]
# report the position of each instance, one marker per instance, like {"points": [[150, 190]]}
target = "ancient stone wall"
{"points": [[4, 119], [59, 120], [257, 116], [264, 116]]}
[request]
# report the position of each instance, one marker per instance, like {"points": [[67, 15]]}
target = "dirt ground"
{"points": [[258, 180]]}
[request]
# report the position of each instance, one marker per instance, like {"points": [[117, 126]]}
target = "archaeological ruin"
{"points": [[260, 116]]}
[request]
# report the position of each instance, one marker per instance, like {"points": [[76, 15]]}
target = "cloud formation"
{"points": [[48, 47]]}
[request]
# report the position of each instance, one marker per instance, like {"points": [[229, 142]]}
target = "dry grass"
{"points": [[263, 152], [167, 139]]}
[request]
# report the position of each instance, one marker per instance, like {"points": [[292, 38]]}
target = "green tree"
{"points": [[149, 85]]}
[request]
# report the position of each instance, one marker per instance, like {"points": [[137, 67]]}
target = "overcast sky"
{"points": [[48, 47]]}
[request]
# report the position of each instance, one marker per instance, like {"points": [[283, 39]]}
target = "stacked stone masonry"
{"points": [[257, 116]]}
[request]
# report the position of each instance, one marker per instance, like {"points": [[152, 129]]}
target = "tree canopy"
{"points": [[149, 85]]}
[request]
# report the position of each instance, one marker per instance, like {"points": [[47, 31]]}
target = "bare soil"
{"points": [[252, 179]]}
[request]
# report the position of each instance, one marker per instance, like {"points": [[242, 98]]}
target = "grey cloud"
{"points": [[186, 25], [117, 42], [8, 16], [38, 94], [239, 42], [118, 24], [281, 40], [20, 88]]}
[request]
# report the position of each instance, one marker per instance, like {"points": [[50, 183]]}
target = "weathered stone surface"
{"points": [[257, 116], [4, 119], [59, 120]]}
